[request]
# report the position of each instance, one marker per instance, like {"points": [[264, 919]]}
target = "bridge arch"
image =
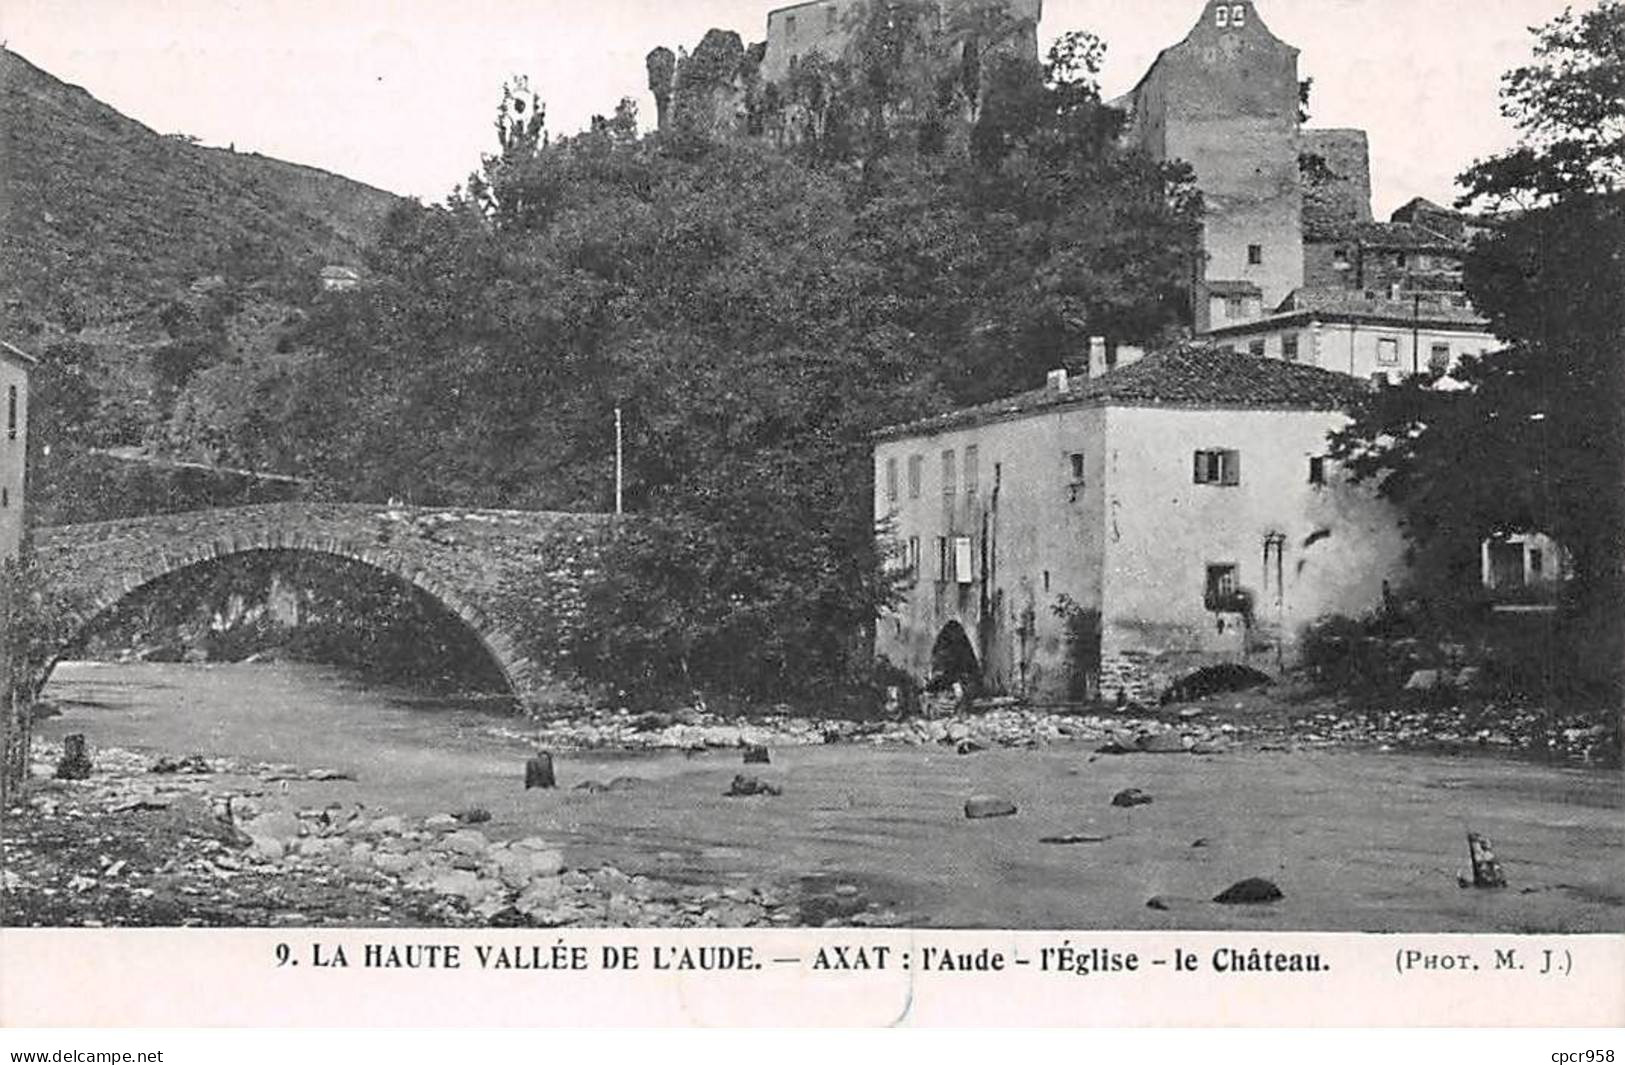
{"points": [[499, 644]]}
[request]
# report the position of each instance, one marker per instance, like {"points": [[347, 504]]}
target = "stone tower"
{"points": [[1226, 100]]}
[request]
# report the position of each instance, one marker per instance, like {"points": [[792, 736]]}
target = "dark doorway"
{"points": [[953, 659]]}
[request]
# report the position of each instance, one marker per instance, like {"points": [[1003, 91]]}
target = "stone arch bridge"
{"points": [[514, 578]]}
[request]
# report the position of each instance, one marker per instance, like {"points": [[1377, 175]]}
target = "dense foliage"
{"points": [[1532, 438], [754, 312]]}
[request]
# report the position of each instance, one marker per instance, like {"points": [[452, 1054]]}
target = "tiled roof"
{"points": [[1188, 376], [1345, 304]]}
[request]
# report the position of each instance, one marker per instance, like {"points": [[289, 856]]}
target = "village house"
{"points": [[15, 365], [1106, 536]]}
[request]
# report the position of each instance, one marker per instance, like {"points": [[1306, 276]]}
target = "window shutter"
{"points": [[1232, 467], [1201, 468], [962, 559]]}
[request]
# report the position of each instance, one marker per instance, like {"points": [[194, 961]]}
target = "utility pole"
{"points": [[620, 465]]}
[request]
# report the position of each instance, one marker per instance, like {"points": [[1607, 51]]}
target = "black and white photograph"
{"points": [[860, 464]]}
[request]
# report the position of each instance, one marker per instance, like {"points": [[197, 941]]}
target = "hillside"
{"points": [[101, 218]]}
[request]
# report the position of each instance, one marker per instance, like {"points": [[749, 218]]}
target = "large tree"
{"points": [[1535, 440]]}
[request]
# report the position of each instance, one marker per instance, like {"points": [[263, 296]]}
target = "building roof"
{"points": [[12, 353], [1307, 305], [1187, 376], [1233, 288]]}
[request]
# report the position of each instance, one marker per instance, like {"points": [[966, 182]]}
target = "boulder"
{"points": [[967, 747], [460, 883], [474, 815], [387, 826], [1163, 743], [518, 866], [539, 771], [75, 761], [1130, 797], [1487, 871], [979, 807], [1118, 743], [744, 785], [468, 842], [278, 824], [1157, 902], [1423, 680], [268, 847], [440, 823], [396, 864], [1210, 746], [1252, 891], [756, 754]]}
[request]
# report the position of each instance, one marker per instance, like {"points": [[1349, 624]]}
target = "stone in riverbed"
{"points": [[744, 785], [1163, 743], [1130, 797], [470, 843], [1252, 891], [387, 826], [979, 807], [279, 825], [440, 823], [268, 847], [396, 864]]}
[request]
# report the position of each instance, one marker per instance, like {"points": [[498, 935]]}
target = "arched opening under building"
{"points": [[953, 659]]}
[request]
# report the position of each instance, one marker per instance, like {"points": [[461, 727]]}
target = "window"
{"points": [[1222, 588], [1238, 15], [973, 473], [1289, 347], [1221, 16], [5, 497], [1076, 462], [891, 480], [1218, 467], [1255, 254], [1537, 562], [1387, 351], [948, 473], [1439, 359], [1235, 307], [962, 559], [790, 26], [831, 14], [1317, 469], [916, 474], [1256, 347], [954, 559], [912, 559], [11, 413]]}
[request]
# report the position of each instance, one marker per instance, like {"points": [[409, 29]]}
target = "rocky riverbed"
{"points": [[202, 842]]}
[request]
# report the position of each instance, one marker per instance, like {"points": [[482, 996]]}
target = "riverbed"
{"points": [[1357, 840]]}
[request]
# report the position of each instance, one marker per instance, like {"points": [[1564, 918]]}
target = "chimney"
{"points": [[1058, 382], [1097, 356]]}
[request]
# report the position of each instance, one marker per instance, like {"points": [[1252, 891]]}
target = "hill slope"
{"points": [[101, 217]]}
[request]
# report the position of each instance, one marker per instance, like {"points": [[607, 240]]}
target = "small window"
{"points": [[1235, 307], [948, 486], [945, 559], [1387, 351], [912, 559], [1221, 16], [1256, 347], [1076, 462], [11, 413], [1439, 360], [891, 480], [1317, 469], [1217, 467], [916, 474], [1289, 347], [1222, 586], [1537, 562], [1238, 15], [1255, 254], [5, 497], [1227, 349], [973, 473]]}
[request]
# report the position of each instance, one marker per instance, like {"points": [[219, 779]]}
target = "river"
{"points": [[1358, 841]]}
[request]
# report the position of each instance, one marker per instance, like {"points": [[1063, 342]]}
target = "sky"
{"points": [[401, 93]]}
